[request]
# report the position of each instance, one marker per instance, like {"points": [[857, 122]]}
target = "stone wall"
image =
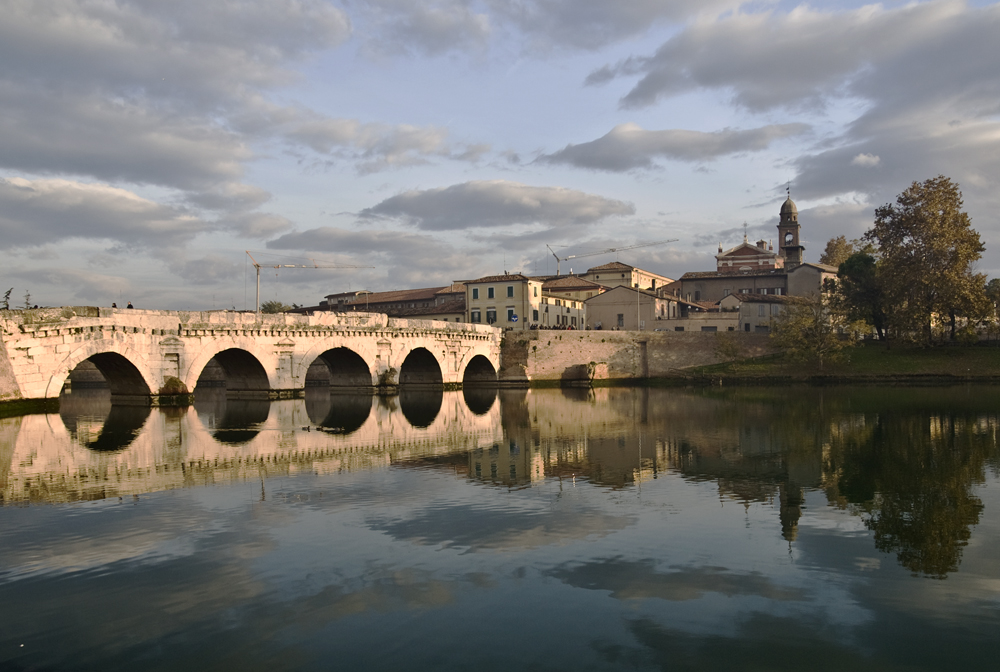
{"points": [[576, 356], [9, 390]]}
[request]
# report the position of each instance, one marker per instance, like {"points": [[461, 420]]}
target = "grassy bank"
{"points": [[871, 361]]}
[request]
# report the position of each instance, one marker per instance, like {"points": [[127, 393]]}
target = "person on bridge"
{"points": [[129, 305]]}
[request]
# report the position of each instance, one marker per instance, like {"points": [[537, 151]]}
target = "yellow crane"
{"points": [[312, 265]]}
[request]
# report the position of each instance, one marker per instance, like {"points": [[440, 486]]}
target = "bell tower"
{"points": [[788, 233]]}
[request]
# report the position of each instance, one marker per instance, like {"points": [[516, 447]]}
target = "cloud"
{"points": [[495, 203], [769, 60], [402, 258], [596, 23], [628, 146], [44, 211], [430, 28], [865, 160]]}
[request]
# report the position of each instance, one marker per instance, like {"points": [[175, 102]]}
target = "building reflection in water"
{"points": [[905, 461]]}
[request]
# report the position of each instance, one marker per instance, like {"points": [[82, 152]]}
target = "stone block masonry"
{"points": [[574, 357], [147, 354]]}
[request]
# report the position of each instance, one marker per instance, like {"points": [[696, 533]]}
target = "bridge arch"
{"points": [[479, 371], [241, 369], [339, 367], [420, 367], [127, 373]]}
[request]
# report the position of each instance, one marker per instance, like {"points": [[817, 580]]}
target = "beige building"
{"points": [[758, 313], [572, 287], [510, 301], [627, 309], [617, 274], [562, 313]]}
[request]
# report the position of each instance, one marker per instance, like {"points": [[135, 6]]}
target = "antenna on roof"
{"points": [[788, 188], [744, 232]]}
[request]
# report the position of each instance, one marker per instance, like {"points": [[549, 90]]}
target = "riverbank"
{"points": [[669, 359]]}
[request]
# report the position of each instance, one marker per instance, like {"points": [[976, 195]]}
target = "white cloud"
{"points": [[865, 160]]}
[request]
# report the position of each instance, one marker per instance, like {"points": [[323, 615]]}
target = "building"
{"points": [[617, 274], [627, 309], [510, 301], [757, 313], [572, 287], [756, 269]]}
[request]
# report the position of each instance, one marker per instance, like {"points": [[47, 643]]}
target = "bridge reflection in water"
{"points": [[758, 447]]}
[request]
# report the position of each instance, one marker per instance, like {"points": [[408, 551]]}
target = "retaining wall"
{"points": [[575, 357]]}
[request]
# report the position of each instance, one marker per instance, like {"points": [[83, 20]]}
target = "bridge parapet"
{"points": [[170, 349]]}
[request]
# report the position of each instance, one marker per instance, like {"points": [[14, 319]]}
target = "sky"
{"points": [[147, 145]]}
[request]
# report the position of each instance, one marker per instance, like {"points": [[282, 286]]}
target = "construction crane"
{"points": [[312, 265], [607, 251]]}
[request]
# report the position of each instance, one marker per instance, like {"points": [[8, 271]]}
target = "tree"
{"points": [[839, 249], [927, 248], [859, 296], [6, 299], [274, 307], [809, 331]]}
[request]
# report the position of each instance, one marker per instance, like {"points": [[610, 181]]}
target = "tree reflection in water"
{"points": [[911, 479]]}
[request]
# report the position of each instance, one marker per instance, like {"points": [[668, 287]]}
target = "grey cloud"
{"points": [[404, 258], [628, 146], [42, 211], [372, 146], [39, 212], [597, 23], [233, 196], [83, 286], [494, 203], [50, 132], [430, 28], [204, 50], [770, 61]]}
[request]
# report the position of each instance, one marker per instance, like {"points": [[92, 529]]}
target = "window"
{"points": [[744, 291], [536, 290], [475, 293], [775, 309], [779, 291], [709, 328], [761, 310], [491, 315], [725, 292], [534, 315], [573, 320], [746, 327], [621, 319], [476, 317], [697, 295], [678, 328], [510, 291], [762, 329], [510, 314], [489, 293]]}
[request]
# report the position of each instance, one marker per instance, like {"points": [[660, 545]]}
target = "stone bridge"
{"points": [[149, 354]]}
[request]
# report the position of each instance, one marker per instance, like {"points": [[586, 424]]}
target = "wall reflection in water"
{"points": [[905, 461]]}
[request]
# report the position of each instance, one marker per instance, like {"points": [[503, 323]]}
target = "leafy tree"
{"points": [[810, 331], [927, 247], [272, 307], [859, 297]]}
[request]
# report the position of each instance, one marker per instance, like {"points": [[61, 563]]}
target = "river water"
{"points": [[743, 529]]}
